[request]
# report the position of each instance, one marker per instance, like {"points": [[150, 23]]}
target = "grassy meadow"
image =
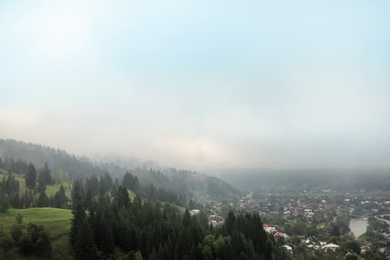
{"points": [[55, 221], [50, 189]]}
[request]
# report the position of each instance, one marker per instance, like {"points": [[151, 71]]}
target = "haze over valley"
{"points": [[201, 86], [195, 130]]}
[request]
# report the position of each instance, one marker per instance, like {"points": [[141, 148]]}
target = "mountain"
{"points": [[77, 167], [183, 182]]}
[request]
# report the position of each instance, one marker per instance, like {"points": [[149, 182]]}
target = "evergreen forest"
{"points": [[119, 217]]}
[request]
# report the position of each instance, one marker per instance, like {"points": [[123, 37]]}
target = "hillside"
{"points": [[55, 221], [76, 167], [187, 183]]}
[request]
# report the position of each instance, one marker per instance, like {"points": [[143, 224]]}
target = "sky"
{"points": [[201, 85]]}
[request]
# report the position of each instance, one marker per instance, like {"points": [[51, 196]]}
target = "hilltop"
{"points": [[181, 182]]}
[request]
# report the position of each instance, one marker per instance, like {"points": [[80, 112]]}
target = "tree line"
{"points": [[153, 230], [36, 182]]}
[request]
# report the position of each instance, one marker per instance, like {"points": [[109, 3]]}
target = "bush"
{"points": [[16, 232]]}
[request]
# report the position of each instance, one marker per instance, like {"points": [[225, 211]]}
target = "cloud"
{"points": [[199, 85], [54, 30]]}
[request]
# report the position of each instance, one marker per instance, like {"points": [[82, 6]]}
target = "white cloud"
{"points": [[54, 29]]}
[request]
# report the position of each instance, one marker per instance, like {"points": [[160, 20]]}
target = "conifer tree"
{"points": [[83, 247], [79, 215], [41, 187], [88, 200], [31, 176], [122, 197], [43, 200], [46, 173]]}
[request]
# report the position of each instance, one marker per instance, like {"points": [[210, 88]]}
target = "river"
{"points": [[358, 226]]}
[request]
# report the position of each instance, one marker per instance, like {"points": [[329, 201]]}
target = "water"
{"points": [[358, 226]]}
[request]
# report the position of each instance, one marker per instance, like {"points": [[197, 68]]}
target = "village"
{"points": [[332, 223]]}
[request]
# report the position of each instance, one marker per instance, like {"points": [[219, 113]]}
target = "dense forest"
{"points": [[125, 217], [154, 230], [183, 182], [36, 182]]}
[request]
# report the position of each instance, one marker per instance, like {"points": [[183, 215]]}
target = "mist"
{"points": [[204, 86]]}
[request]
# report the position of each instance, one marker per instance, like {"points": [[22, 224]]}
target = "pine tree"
{"points": [[43, 200], [153, 255], [108, 240], [122, 197], [78, 212], [230, 224], [83, 247], [88, 200], [130, 182], [31, 176], [46, 173], [41, 187], [186, 219]]}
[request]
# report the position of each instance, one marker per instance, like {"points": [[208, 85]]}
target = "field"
{"points": [[55, 221], [50, 189]]}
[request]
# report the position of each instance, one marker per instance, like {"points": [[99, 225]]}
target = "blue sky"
{"points": [[205, 85]]}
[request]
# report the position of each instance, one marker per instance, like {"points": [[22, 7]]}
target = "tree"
{"points": [[46, 173], [202, 220], [207, 253], [299, 228], [4, 205], [354, 246], [83, 247], [186, 219], [335, 230], [130, 182], [25, 244], [7, 243], [36, 241], [60, 199], [230, 223], [122, 197], [223, 248], [41, 187], [108, 244], [43, 200], [16, 232], [88, 200], [191, 205], [105, 183], [31, 176], [19, 218], [350, 256], [43, 243], [78, 212]]}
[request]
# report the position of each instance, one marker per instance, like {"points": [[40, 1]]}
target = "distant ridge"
{"points": [[178, 181], [340, 179]]}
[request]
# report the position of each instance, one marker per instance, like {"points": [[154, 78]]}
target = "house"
{"points": [[330, 246], [278, 235], [270, 230], [194, 212]]}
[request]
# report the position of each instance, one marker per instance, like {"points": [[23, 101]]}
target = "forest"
{"points": [[122, 218], [143, 229], [107, 222]]}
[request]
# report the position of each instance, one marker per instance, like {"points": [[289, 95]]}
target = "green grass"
{"points": [[55, 221], [50, 189]]}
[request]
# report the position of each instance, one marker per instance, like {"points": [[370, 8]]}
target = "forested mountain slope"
{"points": [[183, 182]]}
